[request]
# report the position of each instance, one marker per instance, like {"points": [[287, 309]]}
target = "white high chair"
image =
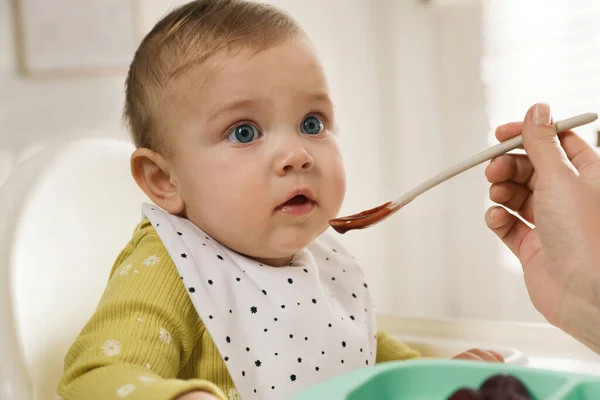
{"points": [[65, 214]]}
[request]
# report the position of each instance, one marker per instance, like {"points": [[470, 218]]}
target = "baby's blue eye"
{"points": [[312, 125], [244, 134]]}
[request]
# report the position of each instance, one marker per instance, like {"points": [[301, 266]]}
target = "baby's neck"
{"points": [[275, 262]]}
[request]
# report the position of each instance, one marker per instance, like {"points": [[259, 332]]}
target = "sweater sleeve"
{"points": [[391, 349], [141, 335]]}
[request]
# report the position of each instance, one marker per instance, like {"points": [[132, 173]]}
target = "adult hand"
{"points": [[556, 188], [480, 355]]}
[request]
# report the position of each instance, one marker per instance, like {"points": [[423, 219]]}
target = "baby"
{"points": [[229, 287]]}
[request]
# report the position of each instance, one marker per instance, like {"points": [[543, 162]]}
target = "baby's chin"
{"points": [[268, 241], [280, 245]]}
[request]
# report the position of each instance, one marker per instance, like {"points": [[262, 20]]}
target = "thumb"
{"points": [[541, 142]]}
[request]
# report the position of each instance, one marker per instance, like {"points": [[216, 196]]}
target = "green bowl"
{"points": [[438, 379]]}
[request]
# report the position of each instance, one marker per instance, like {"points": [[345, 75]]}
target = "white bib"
{"points": [[279, 330]]}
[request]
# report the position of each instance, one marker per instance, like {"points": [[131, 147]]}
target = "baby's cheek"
{"points": [[336, 188], [216, 206], [229, 223]]}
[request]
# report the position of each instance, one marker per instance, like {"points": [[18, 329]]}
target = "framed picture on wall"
{"points": [[75, 37]]}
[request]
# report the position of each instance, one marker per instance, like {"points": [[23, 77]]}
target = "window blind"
{"points": [[541, 50]]}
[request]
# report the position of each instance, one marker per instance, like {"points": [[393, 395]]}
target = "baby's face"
{"points": [[256, 158]]}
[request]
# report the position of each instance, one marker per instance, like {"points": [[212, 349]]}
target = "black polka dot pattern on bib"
{"points": [[272, 324]]}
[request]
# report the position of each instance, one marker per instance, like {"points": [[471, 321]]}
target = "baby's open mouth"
{"points": [[298, 205], [296, 200]]}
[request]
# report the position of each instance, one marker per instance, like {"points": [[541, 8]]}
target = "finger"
{"points": [[515, 197], [509, 131], [513, 167], [468, 356], [578, 150], [510, 229], [484, 355], [498, 356], [541, 143]]}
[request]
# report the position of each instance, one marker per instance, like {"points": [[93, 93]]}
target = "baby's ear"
{"points": [[154, 175]]}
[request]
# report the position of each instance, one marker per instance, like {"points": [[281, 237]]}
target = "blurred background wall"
{"points": [[418, 85]]}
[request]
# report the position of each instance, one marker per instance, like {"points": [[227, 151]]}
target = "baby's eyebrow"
{"points": [[239, 104], [244, 104], [316, 97]]}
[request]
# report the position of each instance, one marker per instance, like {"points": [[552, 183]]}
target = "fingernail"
{"points": [[494, 211], [541, 114]]}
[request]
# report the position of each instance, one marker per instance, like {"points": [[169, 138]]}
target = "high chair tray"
{"points": [[439, 379]]}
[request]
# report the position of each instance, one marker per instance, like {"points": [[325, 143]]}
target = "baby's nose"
{"points": [[296, 159]]}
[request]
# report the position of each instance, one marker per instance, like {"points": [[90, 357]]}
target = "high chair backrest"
{"points": [[64, 216]]}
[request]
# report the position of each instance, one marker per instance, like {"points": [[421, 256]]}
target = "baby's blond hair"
{"points": [[185, 38]]}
